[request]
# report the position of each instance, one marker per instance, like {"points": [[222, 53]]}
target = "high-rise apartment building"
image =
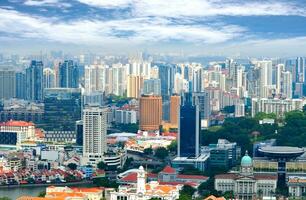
{"points": [[287, 84], [189, 128], [174, 109], [152, 87], [68, 74], [34, 81], [150, 115], [265, 77], [94, 134], [95, 78], [7, 84], [134, 86]]}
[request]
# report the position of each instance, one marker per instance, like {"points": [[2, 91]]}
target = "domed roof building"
{"points": [[245, 184]]}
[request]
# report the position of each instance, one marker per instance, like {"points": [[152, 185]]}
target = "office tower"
{"points": [[93, 99], [280, 68], [287, 84], [62, 108], [174, 109], [152, 87], [166, 76], [20, 85], [202, 100], [150, 115], [197, 79], [300, 70], [49, 78], [94, 134], [34, 81], [189, 128], [95, 78], [134, 86], [68, 75], [7, 84], [298, 91]]}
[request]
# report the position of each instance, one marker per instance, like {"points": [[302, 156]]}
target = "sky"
{"points": [[261, 28]]}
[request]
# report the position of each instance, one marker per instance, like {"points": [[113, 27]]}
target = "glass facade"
{"points": [[189, 130], [62, 108]]}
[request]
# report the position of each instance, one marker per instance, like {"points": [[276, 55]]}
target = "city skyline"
{"points": [[213, 27]]}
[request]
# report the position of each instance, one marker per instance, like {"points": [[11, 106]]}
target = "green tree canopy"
{"points": [[72, 166], [161, 153]]}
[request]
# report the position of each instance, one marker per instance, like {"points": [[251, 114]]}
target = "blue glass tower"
{"points": [[34, 81], [189, 128], [68, 75]]}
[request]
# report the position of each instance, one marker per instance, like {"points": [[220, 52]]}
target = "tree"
{"points": [[148, 151], [101, 165], [187, 190], [173, 146], [72, 166], [104, 182], [5, 198], [42, 194], [161, 153]]}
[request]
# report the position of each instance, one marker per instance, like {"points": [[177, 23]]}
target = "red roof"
{"points": [[169, 170], [16, 123], [182, 176], [132, 177]]}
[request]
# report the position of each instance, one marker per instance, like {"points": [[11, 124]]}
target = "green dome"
{"points": [[246, 160]]}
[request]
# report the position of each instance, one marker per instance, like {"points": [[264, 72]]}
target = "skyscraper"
{"points": [[7, 84], [265, 77], [189, 128], [34, 81], [174, 109], [68, 75], [287, 84], [134, 86], [152, 87], [94, 134], [49, 80], [62, 108], [150, 115], [280, 68], [94, 78], [20, 85]]}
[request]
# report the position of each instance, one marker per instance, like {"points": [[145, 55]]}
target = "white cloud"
{"points": [[107, 3], [94, 31], [56, 3], [201, 8]]}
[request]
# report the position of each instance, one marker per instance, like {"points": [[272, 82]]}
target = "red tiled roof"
{"points": [[265, 177], [151, 175], [16, 123], [169, 170], [132, 177], [182, 176], [226, 176]]}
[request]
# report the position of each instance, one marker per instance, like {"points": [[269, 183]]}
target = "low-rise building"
{"points": [[146, 190], [245, 184]]}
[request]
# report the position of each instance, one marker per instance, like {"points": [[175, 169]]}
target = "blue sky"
{"points": [[208, 27]]}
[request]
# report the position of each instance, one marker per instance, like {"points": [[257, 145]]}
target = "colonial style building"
{"points": [[145, 191], [246, 185]]}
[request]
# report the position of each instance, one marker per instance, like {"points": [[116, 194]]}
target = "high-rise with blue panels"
{"points": [[34, 81], [189, 128]]}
